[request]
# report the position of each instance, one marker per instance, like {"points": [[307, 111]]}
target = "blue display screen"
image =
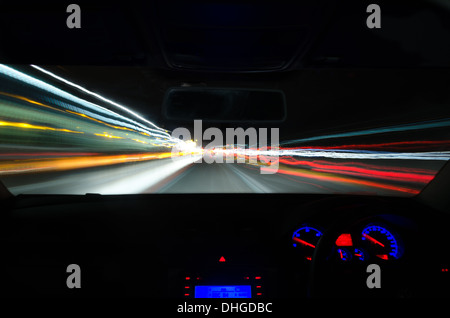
{"points": [[228, 291]]}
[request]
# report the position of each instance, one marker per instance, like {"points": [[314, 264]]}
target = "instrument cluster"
{"points": [[371, 241]]}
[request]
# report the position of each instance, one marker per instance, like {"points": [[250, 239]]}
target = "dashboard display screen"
{"points": [[229, 291]]}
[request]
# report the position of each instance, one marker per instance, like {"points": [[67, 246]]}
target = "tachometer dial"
{"points": [[306, 238], [381, 242]]}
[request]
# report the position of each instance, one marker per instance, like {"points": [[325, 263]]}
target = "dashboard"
{"points": [[405, 243], [226, 246], [374, 240]]}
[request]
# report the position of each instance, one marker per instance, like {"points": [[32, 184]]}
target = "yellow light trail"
{"points": [[30, 126], [68, 163], [108, 136], [29, 100], [143, 142], [71, 112], [102, 122]]}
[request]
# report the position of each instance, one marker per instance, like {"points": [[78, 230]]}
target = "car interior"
{"points": [[114, 135]]}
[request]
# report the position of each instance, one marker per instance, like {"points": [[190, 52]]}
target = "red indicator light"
{"points": [[444, 270], [308, 258], [198, 278], [247, 277], [186, 287], [258, 286], [258, 277], [188, 278], [383, 256], [186, 294], [344, 240], [222, 259], [258, 294]]}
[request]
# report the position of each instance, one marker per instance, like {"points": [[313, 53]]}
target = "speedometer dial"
{"points": [[381, 242], [305, 239]]}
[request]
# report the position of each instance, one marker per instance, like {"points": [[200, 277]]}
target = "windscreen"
{"points": [[67, 130]]}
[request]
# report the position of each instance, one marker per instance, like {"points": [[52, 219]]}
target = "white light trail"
{"points": [[81, 88], [322, 153], [158, 132]]}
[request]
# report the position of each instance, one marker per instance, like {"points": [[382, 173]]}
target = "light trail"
{"points": [[30, 126], [70, 163], [319, 176], [97, 96], [351, 154], [94, 108], [440, 123], [396, 145], [59, 131], [365, 170]]}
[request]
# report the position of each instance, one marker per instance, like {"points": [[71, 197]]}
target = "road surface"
{"points": [[185, 176]]}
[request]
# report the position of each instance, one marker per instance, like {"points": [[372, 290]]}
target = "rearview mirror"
{"points": [[224, 104]]}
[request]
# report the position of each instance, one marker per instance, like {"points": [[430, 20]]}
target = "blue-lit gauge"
{"points": [[381, 243], [359, 254], [344, 254], [305, 239]]}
